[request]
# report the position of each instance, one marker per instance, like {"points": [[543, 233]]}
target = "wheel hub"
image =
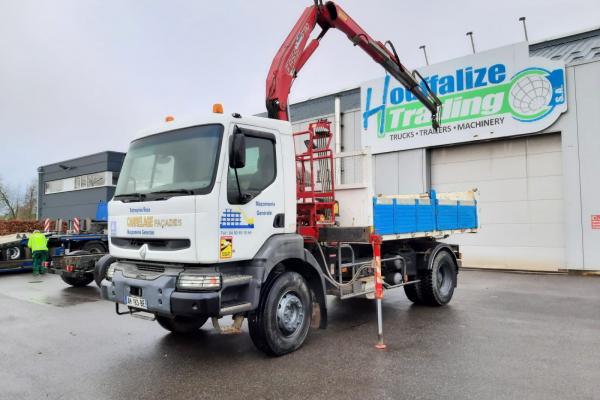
{"points": [[444, 282], [290, 313]]}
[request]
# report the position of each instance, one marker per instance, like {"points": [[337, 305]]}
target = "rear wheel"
{"points": [[181, 325], [437, 285], [78, 281], [281, 322], [95, 247]]}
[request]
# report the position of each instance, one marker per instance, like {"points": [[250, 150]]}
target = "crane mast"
{"points": [[315, 190], [296, 50]]}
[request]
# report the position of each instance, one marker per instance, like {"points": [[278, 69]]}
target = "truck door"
{"points": [[251, 205]]}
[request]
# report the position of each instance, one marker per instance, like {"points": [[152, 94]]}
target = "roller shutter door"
{"points": [[520, 198]]}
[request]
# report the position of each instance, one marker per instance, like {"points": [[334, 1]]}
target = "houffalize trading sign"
{"points": [[496, 93]]}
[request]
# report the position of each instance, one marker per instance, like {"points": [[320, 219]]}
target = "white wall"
{"points": [[402, 172], [580, 128], [587, 78]]}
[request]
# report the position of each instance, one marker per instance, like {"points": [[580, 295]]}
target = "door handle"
{"points": [[279, 221]]}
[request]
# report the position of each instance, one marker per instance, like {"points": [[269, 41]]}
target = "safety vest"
{"points": [[37, 242]]}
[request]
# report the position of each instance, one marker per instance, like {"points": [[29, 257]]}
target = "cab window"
{"points": [[258, 173]]}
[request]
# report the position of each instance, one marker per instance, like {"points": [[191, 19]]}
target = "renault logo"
{"points": [[143, 251]]}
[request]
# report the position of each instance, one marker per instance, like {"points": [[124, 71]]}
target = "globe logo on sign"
{"points": [[531, 95]]}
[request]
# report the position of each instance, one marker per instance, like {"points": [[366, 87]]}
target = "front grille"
{"points": [[153, 244], [151, 268]]}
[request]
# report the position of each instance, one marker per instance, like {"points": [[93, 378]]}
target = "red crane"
{"points": [[314, 161], [294, 53]]}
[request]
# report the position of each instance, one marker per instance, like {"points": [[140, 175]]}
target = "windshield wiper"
{"points": [[165, 194], [174, 191], [131, 196]]}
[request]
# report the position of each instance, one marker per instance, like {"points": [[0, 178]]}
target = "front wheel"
{"points": [[281, 322], [181, 325], [101, 267], [413, 292]]}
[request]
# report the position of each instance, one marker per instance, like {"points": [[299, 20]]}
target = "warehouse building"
{"points": [[73, 188], [520, 124]]}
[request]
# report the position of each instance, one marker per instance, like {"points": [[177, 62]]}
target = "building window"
{"points": [[98, 179], [54, 186]]}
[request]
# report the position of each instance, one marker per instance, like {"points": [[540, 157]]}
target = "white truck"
{"points": [[232, 215]]}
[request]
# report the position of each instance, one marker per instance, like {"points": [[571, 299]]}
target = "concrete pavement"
{"points": [[503, 336]]}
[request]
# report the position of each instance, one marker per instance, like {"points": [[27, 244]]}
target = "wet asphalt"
{"points": [[504, 336]]}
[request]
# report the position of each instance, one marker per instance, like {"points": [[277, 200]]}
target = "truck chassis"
{"points": [[282, 290]]}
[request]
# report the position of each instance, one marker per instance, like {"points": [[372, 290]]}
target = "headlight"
{"points": [[110, 272], [190, 281]]}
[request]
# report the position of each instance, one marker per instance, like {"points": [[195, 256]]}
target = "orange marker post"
{"points": [[376, 242]]}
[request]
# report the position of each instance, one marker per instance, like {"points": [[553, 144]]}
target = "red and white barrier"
{"points": [[76, 225], [47, 225]]}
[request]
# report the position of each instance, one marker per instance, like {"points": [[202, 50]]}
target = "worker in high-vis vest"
{"points": [[38, 243]]}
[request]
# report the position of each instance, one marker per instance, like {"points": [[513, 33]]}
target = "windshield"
{"points": [[184, 160]]}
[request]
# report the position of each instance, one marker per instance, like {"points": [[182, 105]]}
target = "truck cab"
{"points": [[178, 199], [203, 213]]}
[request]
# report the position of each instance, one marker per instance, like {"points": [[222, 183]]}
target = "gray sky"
{"points": [[82, 76]]}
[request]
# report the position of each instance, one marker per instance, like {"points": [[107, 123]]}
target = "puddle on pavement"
{"points": [[62, 301]]}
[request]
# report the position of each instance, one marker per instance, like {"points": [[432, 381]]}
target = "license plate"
{"points": [[137, 302]]}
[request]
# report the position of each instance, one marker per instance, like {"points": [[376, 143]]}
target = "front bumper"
{"points": [[240, 292]]}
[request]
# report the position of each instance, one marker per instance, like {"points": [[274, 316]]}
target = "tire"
{"points": [[437, 285], [81, 281], [101, 267], [281, 322], [95, 247], [181, 325], [77, 282], [413, 292]]}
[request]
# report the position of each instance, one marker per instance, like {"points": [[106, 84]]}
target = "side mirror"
{"points": [[237, 150]]}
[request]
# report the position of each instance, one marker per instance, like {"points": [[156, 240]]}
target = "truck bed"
{"points": [[424, 215]]}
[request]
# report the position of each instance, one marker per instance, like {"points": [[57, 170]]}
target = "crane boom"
{"points": [[295, 51]]}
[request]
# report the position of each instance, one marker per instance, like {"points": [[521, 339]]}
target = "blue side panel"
{"points": [[447, 217], [425, 217], [467, 216], [398, 216], [405, 216], [383, 216]]}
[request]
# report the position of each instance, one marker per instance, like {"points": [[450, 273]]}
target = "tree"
{"points": [[29, 202], [18, 205], [9, 207]]}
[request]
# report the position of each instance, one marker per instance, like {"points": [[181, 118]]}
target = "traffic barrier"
{"points": [[76, 225], [47, 225]]}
